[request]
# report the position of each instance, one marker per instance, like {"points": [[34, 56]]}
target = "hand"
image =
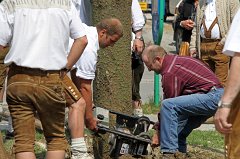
{"points": [[156, 126], [219, 47], [138, 46], [91, 124], [193, 53], [220, 121], [187, 24]]}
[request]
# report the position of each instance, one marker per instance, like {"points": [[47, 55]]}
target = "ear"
{"points": [[158, 58], [102, 32]]}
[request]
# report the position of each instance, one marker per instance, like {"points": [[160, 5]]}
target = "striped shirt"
{"points": [[182, 75]]}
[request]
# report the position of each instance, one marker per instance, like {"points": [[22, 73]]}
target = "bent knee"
{"points": [[80, 104]]}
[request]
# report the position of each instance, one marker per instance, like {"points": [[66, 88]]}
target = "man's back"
{"points": [[40, 31], [186, 75]]}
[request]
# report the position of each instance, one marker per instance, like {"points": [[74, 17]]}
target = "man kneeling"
{"points": [[191, 94]]}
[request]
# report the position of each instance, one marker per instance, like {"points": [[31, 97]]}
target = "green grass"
{"points": [[206, 139], [39, 151], [150, 108]]}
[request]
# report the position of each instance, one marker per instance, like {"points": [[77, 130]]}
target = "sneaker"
{"points": [[9, 135], [138, 112], [82, 155]]}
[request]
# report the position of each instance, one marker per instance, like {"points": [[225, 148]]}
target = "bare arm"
{"points": [[138, 45], [1, 47], [230, 93], [76, 51], [233, 82], [84, 85]]}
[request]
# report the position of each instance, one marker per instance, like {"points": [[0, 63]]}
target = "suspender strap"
{"points": [[207, 32]]}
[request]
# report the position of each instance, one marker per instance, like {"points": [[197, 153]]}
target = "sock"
{"points": [[1, 106], [78, 145], [10, 127]]}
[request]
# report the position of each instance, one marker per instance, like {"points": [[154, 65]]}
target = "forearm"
{"points": [[138, 33], [233, 83], [87, 95], [193, 39], [76, 51], [1, 47]]}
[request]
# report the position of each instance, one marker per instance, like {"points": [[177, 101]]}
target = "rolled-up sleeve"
{"points": [[232, 42], [137, 16], [76, 27], [6, 27]]}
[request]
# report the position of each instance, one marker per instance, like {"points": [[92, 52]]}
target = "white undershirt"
{"points": [[210, 15], [40, 36], [86, 65], [137, 16], [233, 39]]}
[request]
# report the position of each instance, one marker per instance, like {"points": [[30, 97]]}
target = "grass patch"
{"points": [[39, 150], [150, 107], [206, 139]]}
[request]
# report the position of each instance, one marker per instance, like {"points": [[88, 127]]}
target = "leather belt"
{"points": [[204, 40]]}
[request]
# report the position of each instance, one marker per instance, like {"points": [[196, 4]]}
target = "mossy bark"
{"points": [[112, 86]]}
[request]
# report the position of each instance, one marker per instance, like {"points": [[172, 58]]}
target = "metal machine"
{"points": [[128, 136]]}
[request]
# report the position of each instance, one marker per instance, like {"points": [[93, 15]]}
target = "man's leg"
{"points": [[28, 155], [221, 65], [185, 128], [76, 126], [232, 140], [76, 118], [184, 106], [137, 74]]}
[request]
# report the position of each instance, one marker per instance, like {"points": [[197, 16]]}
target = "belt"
{"points": [[215, 88], [205, 40], [33, 71]]}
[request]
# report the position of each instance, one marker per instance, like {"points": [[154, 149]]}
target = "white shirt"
{"points": [[137, 16], [232, 44], [210, 15], [86, 65], [40, 35], [84, 8]]}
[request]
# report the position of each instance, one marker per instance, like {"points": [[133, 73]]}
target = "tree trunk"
{"points": [[112, 86]]}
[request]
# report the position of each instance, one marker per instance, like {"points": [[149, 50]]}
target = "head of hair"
{"points": [[111, 25], [153, 51]]}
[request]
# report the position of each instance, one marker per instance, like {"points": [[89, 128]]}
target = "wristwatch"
{"points": [[139, 38], [224, 105], [181, 24]]}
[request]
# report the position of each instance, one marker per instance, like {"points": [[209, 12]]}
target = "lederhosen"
{"points": [[211, 53], [72, 94], [211, 43]]}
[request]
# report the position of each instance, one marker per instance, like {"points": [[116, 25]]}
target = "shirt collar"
{"points": [[97, 41]]}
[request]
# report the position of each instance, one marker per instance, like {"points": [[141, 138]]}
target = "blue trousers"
{"points": [[180, 115]]}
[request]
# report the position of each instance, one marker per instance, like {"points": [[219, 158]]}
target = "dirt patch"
{"points": [[193, 153]]}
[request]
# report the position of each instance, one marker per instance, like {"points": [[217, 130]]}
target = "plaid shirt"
{"points": [[182, 75]]}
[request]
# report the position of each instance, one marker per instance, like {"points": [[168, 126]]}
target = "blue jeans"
{"points": [[180, 115]]}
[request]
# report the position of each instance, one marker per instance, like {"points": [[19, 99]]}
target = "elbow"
{"points": [[84, 40]]}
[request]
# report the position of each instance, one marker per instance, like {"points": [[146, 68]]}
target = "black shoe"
{"points": [[9, 135]]}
